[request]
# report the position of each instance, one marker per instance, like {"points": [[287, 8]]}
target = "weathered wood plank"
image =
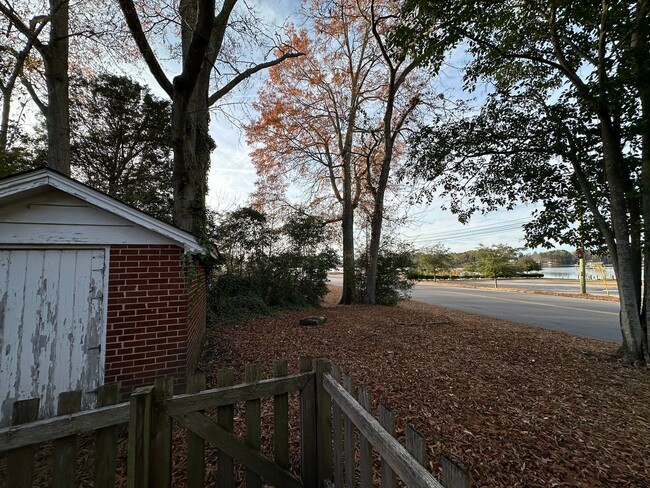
{"points": [[228, 442], [416, 445], [324, 425], [65, 449], [57, 427], [225, 474], [407, 468], [253, 424], [161, 435], [106, 440], [453, 476], [195, 443], [217, 397], [350, 471], [365, 447], [337, 433], [308, 441], [387, 421], [20, 461], [281, 419], [139, 438]]}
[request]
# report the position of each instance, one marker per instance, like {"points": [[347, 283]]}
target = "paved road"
{"points": [[588, 318]]}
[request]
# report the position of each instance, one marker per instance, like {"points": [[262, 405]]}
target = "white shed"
{"points": [[91, 291]]}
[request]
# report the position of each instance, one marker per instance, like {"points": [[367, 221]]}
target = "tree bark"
{"points": [[634, 337], [56, 76]]}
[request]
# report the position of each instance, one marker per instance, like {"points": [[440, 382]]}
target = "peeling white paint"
{"points": [[52, 318]]}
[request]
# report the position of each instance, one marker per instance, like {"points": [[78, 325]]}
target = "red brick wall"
{"points": [[148, 309], [196, 317]]}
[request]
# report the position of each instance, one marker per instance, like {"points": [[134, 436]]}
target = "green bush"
{"points": [[262, 269], [393, 282]]}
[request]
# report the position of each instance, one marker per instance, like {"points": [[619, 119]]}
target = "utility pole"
{"points": [[581, 262]]}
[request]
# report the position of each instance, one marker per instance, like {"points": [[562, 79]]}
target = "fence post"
{"points": [[139, 438], [308, 445], [20, 461], [161, 436], [324, 423]]}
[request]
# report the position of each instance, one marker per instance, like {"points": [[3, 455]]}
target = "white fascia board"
{"points": [[40, 178]]}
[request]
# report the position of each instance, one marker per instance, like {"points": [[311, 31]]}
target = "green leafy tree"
{"points": [[120, 142], [496, 262], [434, 260], [582, 73], [527, 264], [394, 263]]}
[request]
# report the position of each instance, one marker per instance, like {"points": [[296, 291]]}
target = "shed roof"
{"points": [[14, 186]]}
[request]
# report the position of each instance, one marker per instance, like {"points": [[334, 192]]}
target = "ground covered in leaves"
{"points": [[516, 405]]}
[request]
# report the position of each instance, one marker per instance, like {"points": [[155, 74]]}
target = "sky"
{"points": [[232, 175]]}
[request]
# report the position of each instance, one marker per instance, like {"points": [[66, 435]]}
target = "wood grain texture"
{"points": [[308, 445], [65, 449], [227, 395], [253, 424], [225, 474], [20, 460], [281, 419], [229, 443], [106, 440], [405, 466], [195, 443]]}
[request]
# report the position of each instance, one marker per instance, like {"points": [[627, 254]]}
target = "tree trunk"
{"points": [[348, 243], [370, 294], [634, 336], [4, 123], [56, 75]]}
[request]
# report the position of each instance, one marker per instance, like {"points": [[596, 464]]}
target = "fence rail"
{"points": [[328, 417]]}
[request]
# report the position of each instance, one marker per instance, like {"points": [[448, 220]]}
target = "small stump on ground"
{"points": [[312, 321]]}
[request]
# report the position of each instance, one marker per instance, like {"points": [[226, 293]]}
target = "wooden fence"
{"points": [[328, 417]]}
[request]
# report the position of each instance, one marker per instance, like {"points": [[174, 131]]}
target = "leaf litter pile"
{"points": [[517, 406]]}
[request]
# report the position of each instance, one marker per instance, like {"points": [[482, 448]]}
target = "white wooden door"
{"points": [[52, 325]]}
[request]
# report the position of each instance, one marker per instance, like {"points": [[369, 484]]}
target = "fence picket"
{"points": [[453, 476], [337, 434], [161, 435], [253, 425], [308, 445], [139, 438], [324, 424], [365, 448], [350, 471], [65, 449], [415, 445], [281, 419], [225, 475], [195, 443], [20, 461], [106, 440], [387, 421]]}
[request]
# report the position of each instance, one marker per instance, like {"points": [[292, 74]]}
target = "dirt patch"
{"points": [[517, 405]]}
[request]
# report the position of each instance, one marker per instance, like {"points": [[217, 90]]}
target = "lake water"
{"points": [[571, 272]]}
